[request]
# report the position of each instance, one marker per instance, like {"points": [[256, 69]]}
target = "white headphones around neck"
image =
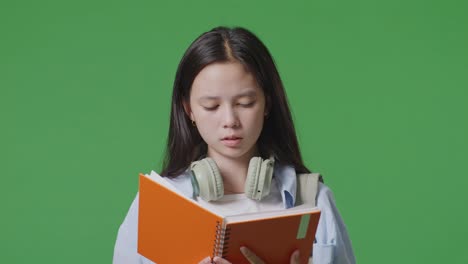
{"points": [[208, 183]]}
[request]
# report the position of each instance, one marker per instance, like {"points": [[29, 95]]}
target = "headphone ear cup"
{"points": [[251, 182], [207, 179], [259, 175]]}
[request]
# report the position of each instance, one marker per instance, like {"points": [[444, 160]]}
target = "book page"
{"points": [[155, 177], [298, 210], [159, 179]]}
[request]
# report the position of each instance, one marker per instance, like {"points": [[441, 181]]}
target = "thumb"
{"points": [[250, 256], [295, 257]]}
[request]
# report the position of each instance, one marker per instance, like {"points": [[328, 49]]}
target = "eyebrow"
{"points": [[250, 93]]}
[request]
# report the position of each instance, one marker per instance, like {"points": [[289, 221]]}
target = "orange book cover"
{"points": [[171, 229], [272, 239], [175, 229]]}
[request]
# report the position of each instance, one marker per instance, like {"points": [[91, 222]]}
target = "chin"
{"points": [[232, 153]]}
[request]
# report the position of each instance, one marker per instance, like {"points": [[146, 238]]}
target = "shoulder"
{"points": [[325, 197]]}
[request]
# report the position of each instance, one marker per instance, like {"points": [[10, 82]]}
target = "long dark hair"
{"points": [[222, 44]]}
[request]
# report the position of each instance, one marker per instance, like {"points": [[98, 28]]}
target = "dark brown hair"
{"points": [[222, 44]]}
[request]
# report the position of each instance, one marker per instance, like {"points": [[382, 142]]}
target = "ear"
{"points": [[188, 109]]}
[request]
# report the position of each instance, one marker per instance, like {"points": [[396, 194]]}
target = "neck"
{"points": [[233, 170]]}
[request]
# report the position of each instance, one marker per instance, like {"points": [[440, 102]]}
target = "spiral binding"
{"points": [[221, 242]]}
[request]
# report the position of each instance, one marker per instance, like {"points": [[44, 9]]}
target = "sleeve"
{"points": [[125, 249], [332, 243]]}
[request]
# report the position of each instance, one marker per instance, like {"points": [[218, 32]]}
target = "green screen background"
{"points": [[378, 91]]}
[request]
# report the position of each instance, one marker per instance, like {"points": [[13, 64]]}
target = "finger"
{"points": [[250, 256], [206, 260], [295, 257], [218, 260]]}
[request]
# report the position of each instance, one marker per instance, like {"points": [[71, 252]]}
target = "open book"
{"points": [[173, 228]]}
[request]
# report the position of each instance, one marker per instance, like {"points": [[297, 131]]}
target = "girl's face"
{"points": [[228, 108]]}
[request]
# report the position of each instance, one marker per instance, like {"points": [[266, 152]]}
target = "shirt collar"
{"points": [[285, 176]]}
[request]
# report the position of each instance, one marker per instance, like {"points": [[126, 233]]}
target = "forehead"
{"points": [[224, 80]]}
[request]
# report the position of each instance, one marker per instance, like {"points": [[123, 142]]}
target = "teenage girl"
{"points": [[229, 105]]}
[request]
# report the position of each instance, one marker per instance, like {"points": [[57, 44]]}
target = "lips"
{"points": [[231, 138], [231, 141]]}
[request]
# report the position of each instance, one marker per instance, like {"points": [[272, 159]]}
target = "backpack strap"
{"points": [[307, 187]]}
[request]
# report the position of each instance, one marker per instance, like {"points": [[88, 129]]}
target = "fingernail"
{"points": [[296, 255], [243, 250]]}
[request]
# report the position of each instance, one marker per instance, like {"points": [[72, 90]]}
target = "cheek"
{"points": [[206, 119], [255, 122], [206, 126], [260, 113]]}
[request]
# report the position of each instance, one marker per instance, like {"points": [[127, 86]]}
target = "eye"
{"points": [[247, 105], [210, 108]]}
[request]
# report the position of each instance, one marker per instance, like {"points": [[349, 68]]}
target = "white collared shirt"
{"points": [[332, 243]]}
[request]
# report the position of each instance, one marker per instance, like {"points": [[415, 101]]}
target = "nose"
{"points": [[230, 118]]}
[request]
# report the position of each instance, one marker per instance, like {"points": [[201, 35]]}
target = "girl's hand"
{"points": [[216, 260], [254, 259], [206, 260], [251, 257]]}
